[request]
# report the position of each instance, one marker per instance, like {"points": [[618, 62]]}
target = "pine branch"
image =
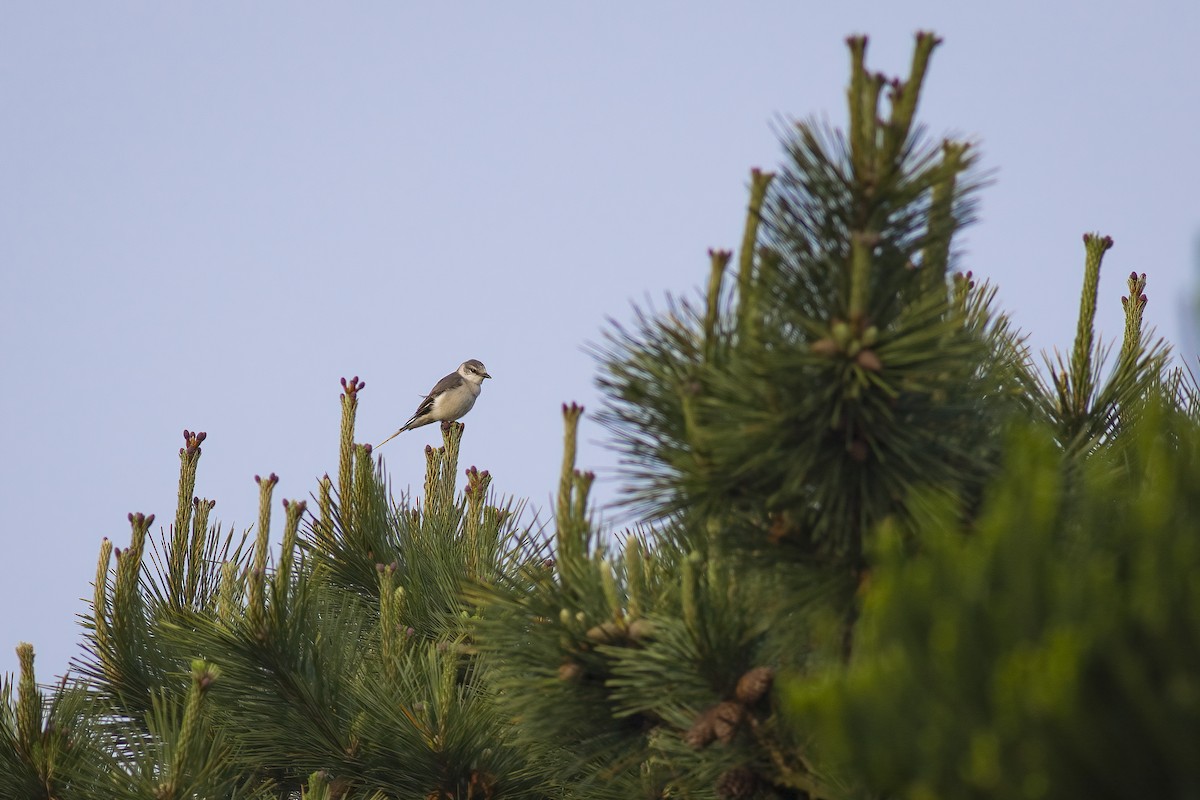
{"points": [[857, 376]]}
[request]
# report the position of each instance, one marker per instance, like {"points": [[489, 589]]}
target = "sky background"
{"points": [[209, 213]]}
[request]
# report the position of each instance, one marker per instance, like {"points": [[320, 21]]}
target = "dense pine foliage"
{"points": [[880, 553]]}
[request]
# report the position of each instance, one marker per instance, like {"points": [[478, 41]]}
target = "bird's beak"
{"points": [[486, 375]]}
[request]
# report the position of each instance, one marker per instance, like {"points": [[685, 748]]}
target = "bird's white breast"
{"points": [[456, 402]]}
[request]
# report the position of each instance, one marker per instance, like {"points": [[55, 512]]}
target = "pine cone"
{"points": [[605, 633], [570, 672], [738, 783], [339, 787], [727, 716], [868, 359], [754, 685], [825, 347], [641, 630], [701, 734]]}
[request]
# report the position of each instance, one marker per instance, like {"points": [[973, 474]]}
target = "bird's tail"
{"points": [[393, 436]]}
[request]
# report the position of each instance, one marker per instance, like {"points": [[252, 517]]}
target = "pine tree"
{"points": [[342, 668], [1051, 651], [877, 554], [846, 382]]}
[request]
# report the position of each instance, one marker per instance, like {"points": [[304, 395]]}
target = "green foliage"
{"points": [[1085, 409], [342, 668], [1049, 652], [852, 577], [43, 742], [845, 371], [645, 671]]}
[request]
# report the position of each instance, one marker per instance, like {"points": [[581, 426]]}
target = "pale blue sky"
{"points": [[211, 212]]}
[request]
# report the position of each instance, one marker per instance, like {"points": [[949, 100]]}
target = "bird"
{"points": [[449, 399]]}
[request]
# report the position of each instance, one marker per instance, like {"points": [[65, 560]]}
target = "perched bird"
{"points": [[451, 397]]}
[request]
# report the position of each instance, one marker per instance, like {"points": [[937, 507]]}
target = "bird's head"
{"points": [[473, 370]]}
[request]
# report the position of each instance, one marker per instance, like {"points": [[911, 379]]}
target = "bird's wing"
{"points": [[451, 381]]}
